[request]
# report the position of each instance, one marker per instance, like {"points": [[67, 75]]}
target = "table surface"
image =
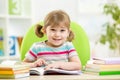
{"points": [[70, 77]]}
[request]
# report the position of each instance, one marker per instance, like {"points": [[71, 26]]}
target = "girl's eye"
{"points": [[62, 30], [52, 29]]}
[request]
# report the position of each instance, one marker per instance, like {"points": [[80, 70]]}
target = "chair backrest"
{"points": [[81, 42]]}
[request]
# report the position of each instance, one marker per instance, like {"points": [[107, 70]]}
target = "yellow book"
{"points": [[6, 72]]}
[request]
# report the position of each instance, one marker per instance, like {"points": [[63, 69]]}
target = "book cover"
{"points": [[6, 72], [109, 73], [19, 40], [12, 45], [114, 60], [1, 43], [88, 71], [102, 73], [41, 71], [12, 71]]}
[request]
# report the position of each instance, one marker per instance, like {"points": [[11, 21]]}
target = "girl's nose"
{"points": [[57, 33]]}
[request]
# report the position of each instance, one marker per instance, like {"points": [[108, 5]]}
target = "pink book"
{"points": [[113, 60]]}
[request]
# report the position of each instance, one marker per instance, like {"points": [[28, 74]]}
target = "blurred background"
{"points": [[16, 16]]}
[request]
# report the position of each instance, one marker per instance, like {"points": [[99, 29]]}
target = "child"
{"points": [[57, 51]]}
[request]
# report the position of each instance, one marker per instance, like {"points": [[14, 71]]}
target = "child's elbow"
{"points": [[79, 66]]}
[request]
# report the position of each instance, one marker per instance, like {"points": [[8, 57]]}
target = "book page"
{"points": [[61, 71], [37, 71]]}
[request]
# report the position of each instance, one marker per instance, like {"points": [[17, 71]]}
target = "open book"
{"points": [[42, 71]]}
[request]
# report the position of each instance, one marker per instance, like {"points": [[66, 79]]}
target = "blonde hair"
{"points": [[53, 19]]}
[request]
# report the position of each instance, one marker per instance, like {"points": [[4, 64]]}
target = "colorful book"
{"points": [[114, 60], [12, 45], [1, 43]]}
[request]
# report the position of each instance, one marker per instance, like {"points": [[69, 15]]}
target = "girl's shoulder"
{"points": [[68, 43], [41, 43]]}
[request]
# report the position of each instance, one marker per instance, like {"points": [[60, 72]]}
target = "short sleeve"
{"points": [[32, 53], [71, 49]]}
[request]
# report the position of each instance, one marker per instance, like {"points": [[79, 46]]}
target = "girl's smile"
{"points": [[57, 39]]}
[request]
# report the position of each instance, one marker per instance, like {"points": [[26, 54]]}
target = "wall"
{"points": [[40, 8]]}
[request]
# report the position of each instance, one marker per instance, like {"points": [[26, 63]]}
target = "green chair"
{"points": [[81, 42]]}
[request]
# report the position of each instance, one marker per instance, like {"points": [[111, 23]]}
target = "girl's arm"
{"points": [[28, 62], [36, 63], [73, 64]]}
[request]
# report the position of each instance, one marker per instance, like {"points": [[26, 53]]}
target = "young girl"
{"points": [[57, 51]]}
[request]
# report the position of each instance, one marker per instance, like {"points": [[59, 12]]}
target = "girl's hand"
{"points": [[53, 65], [38, 62]]}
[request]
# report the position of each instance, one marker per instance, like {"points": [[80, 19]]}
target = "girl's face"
{"points": [[56, 35]]}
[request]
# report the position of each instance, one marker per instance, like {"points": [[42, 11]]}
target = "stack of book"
{"points": [[9, 71], [104, 66]]}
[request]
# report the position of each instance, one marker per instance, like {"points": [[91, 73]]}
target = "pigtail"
{"points": [[71, 36], [38, 30]]}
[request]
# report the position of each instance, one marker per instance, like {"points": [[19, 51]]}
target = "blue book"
{"points": [[12, 45]]}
